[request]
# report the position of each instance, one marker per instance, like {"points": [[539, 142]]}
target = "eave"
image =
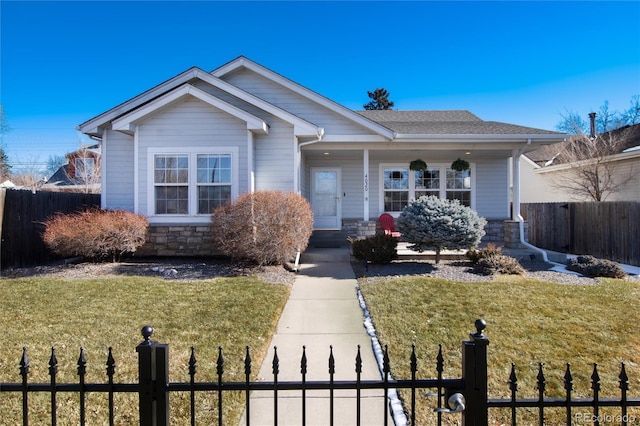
{"points": [[127, 122], [93, 126]]}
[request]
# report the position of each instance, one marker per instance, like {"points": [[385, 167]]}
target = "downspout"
{"points": [[319, 135], [517, 153]]}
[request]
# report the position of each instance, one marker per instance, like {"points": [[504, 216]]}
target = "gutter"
{"points": [[320, 134], [517, 153]]}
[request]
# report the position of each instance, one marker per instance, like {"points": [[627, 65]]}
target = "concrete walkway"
{"points": [[322, 311]]}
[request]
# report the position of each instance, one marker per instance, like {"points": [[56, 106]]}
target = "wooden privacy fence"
{"points": [[21, 215], [607, 230]]}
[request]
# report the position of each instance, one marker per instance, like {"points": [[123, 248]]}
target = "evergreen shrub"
{"points": [[437, 224], [264, 227], [498, 264], [592, 267], [378, 249], [474, 255]]}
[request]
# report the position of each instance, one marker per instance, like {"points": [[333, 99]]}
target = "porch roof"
{"points": [[446, 122]]}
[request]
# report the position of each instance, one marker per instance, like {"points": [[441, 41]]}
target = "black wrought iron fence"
{"points": [[466, 395]]}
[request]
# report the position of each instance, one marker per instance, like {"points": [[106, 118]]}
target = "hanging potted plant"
{"points": [[418, 165], [460, 165]]}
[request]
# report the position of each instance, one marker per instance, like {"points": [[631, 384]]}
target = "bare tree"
{"points": [[31, 174], [588, 168]]}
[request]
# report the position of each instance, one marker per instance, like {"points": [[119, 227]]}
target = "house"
{"points": [[201, 139], [80, 174], [544, 171]]}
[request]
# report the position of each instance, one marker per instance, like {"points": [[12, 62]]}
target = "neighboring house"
{"points": [[542, 169], [80, 174], [200, 139]]}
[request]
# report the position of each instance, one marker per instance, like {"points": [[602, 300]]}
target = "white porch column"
{"points": [[251, 180], [365, 168], [515, 158]]}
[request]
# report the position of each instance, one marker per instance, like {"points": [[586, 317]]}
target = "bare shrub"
{"points": [[265, 227], [95, 234]]}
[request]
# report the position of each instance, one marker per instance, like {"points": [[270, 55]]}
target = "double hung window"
{"points": [[400, 185], [191, 183]]}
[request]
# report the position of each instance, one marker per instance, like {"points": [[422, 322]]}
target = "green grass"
{"points": [[100, 313], [528, 322]]}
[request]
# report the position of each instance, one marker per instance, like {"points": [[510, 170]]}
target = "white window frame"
{"points": [[192, 153], [84, 167], [412, 183]]}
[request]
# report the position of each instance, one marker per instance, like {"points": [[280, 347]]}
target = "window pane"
{"points": [[395, 201], [458, 180], [171, 199], [428, 179], [214, 168], [463, 196], [396, 178], [427, 193], [210, 197], [171, 169]]}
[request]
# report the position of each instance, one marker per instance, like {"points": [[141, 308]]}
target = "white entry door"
{"points": [[326, 198]]}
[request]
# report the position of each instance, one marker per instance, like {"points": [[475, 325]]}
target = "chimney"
{"points": [[592, 119]]}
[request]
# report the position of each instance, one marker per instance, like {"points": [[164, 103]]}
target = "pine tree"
{"points": [[379, 100]]}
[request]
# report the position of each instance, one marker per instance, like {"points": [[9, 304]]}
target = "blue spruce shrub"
{"points": [[430, 223]]}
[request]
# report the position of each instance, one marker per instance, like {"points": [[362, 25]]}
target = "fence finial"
{"points": [[480, 326], [147, 331]]}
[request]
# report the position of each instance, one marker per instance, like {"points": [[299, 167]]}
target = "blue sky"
{"points": [[519, 62]]}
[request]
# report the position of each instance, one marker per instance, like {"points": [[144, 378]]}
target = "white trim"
{"points": [[338, 171], [127, 122], [136, 174], [366, 183], [354, 138], [301, 126], [103, 172], [442, 166], [251, 181], [192, 217]]}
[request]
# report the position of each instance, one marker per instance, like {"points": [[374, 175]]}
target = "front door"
{"points": [[325, 198]]}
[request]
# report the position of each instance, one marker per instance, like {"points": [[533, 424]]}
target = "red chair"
{"points": [[388, 226]]}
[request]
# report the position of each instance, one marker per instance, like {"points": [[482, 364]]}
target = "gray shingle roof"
{"points": [[629, 136], [448, 122]]}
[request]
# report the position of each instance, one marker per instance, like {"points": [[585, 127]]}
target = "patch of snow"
{"points": [[399, 418]]}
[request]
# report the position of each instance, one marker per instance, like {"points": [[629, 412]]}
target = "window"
{"points": [[396, 188], [214, 181], [84, 167], [400, 185], [191, 183], [459, 186]]}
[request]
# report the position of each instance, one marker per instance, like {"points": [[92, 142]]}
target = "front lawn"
{"points": [[528, 322], [100, 313]]}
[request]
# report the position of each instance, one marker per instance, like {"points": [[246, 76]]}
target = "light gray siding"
{"points": [[117, 168], [189, 124], [274, 158], [294, 103]]}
